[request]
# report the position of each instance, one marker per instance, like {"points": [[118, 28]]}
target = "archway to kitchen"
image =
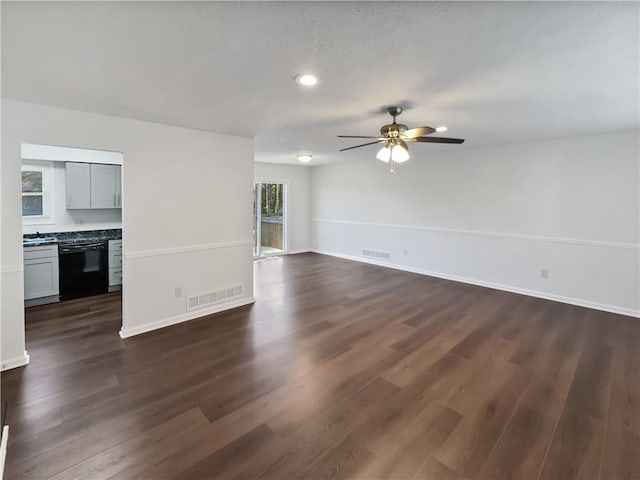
{"points": [[72, 248]]}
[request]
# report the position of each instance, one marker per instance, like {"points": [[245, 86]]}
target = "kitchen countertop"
{"points": [[38, 240]]}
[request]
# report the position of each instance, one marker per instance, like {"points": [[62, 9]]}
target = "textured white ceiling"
{"points": [[494, 72]]}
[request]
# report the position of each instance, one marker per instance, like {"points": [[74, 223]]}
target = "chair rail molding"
{"points": [[457, 231], [187, 249]]}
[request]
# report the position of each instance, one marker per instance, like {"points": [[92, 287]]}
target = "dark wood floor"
{"points": [[341, 370]]}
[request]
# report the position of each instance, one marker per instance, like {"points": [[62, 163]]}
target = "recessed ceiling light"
{"points": [[306, 79], [441, 129], [304, 158]]}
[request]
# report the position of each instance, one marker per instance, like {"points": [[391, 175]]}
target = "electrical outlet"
{"points": [[405, 252], [544, 273], [177, 292]]}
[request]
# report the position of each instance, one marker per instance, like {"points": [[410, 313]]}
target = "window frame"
{"points": [[46, 168]]}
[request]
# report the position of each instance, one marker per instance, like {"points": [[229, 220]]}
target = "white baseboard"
{"points": [[147, 327], [302, 250], [497, 286], [16, 362], [3, 448]]}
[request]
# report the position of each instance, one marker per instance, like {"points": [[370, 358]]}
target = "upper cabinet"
{"points": [[104, 182], [118, 173], [78, 185], [93, 185]]}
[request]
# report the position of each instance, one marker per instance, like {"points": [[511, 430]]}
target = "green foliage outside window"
{"points": [[272, 199]]}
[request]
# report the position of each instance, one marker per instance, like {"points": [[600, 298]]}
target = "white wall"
{"points": [[187, 212], [497, 216], [73, 220], [298, 180]]}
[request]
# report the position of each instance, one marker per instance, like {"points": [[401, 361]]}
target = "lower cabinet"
{"points": [[41, 277], [115, 265], [115, 277]]}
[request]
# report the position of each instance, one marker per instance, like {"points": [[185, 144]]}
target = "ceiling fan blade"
{"points": [[418, 132], [358, 136], [435, 140], [363, 145]]}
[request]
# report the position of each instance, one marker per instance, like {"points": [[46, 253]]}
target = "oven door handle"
{"points": [[80, 248]]}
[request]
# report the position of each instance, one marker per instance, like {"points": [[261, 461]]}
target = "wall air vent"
{"points": [[377, 254], [196, 302]]}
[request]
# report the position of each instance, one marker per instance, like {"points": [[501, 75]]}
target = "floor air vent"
{"points": [[375, 254], [219, 296]]}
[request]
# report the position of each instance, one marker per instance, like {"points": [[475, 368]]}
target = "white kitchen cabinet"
{"points": [[78, 185], [41, 277], [115, 265], [93, 185], [103, 186], [118, 186], [115, 279]]}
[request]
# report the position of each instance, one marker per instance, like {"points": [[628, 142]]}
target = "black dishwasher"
{"points": [[84, 269]]}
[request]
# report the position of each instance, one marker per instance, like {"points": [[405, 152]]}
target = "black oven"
{"points": [[84, 269]]}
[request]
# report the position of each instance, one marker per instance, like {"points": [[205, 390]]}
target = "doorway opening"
{"points": [[270, 219], [72, 241]]}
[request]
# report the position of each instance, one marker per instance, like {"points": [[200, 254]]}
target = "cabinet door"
{"points": [[41, 278], [78, 185], [103, 186], [118, 186], [115, 276]]}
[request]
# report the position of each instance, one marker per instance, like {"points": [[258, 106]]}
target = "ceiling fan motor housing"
{"points": [[393, 130]]}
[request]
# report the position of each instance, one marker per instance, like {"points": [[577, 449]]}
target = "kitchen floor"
{"points": [[340, 369]]}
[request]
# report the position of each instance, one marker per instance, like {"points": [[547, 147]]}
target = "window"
{"points": [[37, 193]]}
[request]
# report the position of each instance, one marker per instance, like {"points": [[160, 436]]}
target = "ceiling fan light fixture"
{"points": [[399, 152], [384, 154], [304, 158], [306, 79], [393, 136]]}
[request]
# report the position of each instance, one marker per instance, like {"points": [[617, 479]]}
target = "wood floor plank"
{"points": [[555, 368], [319, 434], [413, 444], [224, 462], [520, 452], [439, 379], [434, 470], [621, 458], [576, 447], [469, 446], [340, 462], [337, 389], [119, 457], [433, 347], [339, 370], [482, 375], [490, 320], [590, 389]]}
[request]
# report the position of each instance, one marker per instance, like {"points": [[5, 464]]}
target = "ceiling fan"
{"points": [[395, 135]]}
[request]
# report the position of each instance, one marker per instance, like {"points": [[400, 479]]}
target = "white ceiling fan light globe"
{"points": [[399, 154], [384, 154]]}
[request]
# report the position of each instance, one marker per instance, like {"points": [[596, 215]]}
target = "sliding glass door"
{"points": [[269, 227]]}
